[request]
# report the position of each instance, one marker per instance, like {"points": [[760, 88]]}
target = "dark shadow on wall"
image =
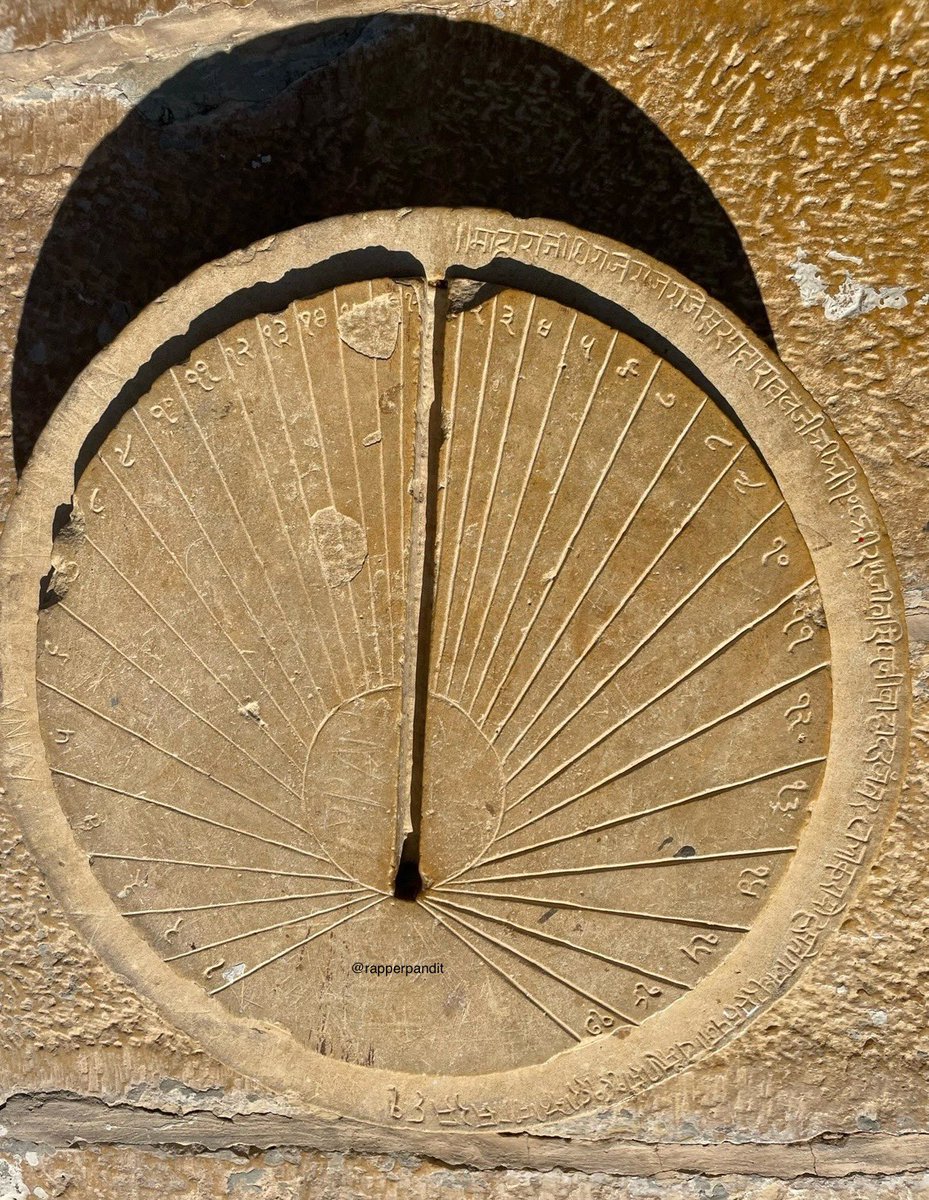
{"points": [[344, 116]]}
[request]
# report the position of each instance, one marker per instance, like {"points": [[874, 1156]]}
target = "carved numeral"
{"points": [[777, 546], [200, 375], [312, 319], [598, 1023], [753, 881], [701, 945]]}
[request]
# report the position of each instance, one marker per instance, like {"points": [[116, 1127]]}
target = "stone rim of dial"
{"points": [[815, 511]]}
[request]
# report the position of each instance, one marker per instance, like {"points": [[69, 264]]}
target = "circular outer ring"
{"points": [[828, 497]]}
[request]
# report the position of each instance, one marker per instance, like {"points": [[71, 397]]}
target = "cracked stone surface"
{"points": [[808, 124]]}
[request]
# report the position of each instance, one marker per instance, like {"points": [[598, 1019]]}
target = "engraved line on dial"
{"points": [[533, 962], [243, 525], [308, 916], [353, 441], [228, 574], [657, 628], [601, 567], [450, 590], [543, 936], [266, 730], [183, 812], [574, 905], [102, 716], [167, 691], [524, 489], [301, 491], [323, 642], [208, 866], [297, 945], [189, 908], [678, 741], [489, 499], [376, 392], [497, 969], [595, 638], [569, 544], [596, 868], [559, 370], [692, 670], [626, 818], [324, 457]]}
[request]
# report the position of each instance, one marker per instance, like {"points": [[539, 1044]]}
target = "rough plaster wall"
{"points": [[809, 124], [289, 1175]]}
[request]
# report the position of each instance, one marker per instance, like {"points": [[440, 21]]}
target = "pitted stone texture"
{"points": [[101, 1173]]}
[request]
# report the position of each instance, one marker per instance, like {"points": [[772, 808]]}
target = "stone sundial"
{"points": [[435, 590]]}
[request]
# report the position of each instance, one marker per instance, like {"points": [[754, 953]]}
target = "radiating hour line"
{"points": [[651, 755], [228, 492], [534, 962], [489, 657], [164, 620], [599, 868], [569, 543], [585, 591], [323, 641], [465, 498], [229, 576], [657, 808], [220, 475], [388, 574], [637, 815], [491, 493], [240, 937], [296, 946], [327, 476], [228, 787], [497, 969], [167, 691], [208, 866], [301, 490], [573, 905], [692, 670], [362, 515], [578, 660], [188, 908], [666, 617], [202, 601], [183, 812], [503, 553], [192, 766], [544, 936]]}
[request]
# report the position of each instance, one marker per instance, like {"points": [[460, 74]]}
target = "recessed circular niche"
{"points": [[454, 671]]}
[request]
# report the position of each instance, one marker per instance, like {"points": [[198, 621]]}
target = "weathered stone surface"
{"points": [[287, 1174], [808, 124]]}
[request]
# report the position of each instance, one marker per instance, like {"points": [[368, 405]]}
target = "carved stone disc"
{"points": [[446, 701]]}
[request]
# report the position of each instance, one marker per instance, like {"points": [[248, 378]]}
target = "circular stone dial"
{"points": [[457, 576]]}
